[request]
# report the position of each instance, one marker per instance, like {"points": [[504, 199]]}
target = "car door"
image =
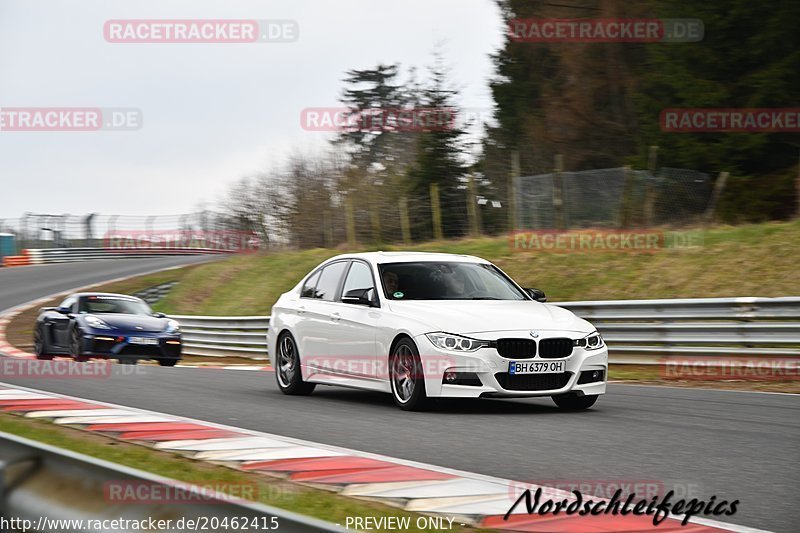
{"points": [[304, 329], [320, 334], [59, 325], [356, 322]]}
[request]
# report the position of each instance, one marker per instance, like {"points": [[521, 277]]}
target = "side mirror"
{"points": [[64, 310], [159, 315], [358, 297], [537, 295]]}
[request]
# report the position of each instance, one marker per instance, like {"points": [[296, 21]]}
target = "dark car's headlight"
{"points": [[96, 323], [173, 327], [593, 341], [448, 341]]}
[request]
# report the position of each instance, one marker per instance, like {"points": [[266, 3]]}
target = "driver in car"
{"points": [[456, 284], [392, 282]]}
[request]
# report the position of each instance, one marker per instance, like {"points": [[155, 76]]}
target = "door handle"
{"points": [[301, 310], [336, 317]]}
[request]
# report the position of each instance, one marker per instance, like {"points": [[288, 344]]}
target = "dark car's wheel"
{"points": [[287, 368], [573, 402], [168, 362], [129, 361], [75, 346], [40, 347], [406, 377]]}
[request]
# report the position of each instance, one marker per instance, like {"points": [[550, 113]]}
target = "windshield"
{"points": [[113, 304], [446, 281]]}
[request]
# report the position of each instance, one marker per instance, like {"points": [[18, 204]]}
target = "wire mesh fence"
{"points": [[612, 197], [604, 198], [44, 231]]}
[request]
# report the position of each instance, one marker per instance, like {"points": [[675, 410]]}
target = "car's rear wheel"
{"points": [[75, 346], [573, 402], [167, 362], [40, 345], [406, 377], [287, 368]]}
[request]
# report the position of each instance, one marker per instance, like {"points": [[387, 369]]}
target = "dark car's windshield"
{"points": [[436, 280], [113, 304]]}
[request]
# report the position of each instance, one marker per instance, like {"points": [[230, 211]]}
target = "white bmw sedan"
{"points": [[423, 326]]}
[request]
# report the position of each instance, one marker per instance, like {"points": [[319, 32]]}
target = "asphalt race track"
{"points": [[23, 284], [735, 445]]}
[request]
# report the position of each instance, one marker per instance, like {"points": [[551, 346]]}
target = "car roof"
{"points": [[381, 257], [84, 294]]}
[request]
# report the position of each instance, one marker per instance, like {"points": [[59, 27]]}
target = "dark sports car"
{"points": [[108, 326]]}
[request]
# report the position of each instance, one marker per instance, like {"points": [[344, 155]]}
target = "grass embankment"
{"points": [[269, 490], [752, 260]]}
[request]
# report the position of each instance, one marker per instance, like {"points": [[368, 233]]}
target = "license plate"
{"points": [[149, 341], [536, 367]]}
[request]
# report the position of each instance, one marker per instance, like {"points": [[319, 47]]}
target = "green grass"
{"points": [[274, 491], [751, 260]]}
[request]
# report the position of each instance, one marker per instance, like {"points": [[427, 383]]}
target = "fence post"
{"points": [[472, 207], [719, 186], [375, 219], [513, 178], [437, 212], [558, 195], [627, 195], [405, 228], [350, 222], [650, 189]]}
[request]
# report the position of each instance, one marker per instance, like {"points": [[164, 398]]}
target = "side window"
{"points": [[329, 280], [69, 302], [310, 285], [359, 277]]}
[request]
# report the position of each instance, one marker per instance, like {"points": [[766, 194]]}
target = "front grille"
{"points": [[555, 348], [516, 348], [533, 381]]}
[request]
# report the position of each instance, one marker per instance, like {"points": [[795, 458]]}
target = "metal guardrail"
{"points": [[638, 331], [215, 336], [44, 482], [65, 255], [155, 294]]}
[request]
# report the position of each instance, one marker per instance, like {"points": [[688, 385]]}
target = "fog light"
{"points": [[450, 377]]}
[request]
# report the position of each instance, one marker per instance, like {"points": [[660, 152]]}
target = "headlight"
{"points": [[593, 341], [173, 326], [96, 323], [457, 343]]}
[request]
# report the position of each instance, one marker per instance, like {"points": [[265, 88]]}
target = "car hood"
{"points": [[480, 316], [133, 322]]}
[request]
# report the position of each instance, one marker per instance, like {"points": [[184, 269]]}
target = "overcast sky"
{"points": [[211, 112]]}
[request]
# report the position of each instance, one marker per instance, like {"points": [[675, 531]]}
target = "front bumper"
{"points": [[492, 370], [119, 345]]}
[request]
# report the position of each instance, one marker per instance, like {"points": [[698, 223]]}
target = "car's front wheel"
{"points": [[287, 368], [40, 345], [573, 402], [168, 362], [406, 377], [75, 346]]}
